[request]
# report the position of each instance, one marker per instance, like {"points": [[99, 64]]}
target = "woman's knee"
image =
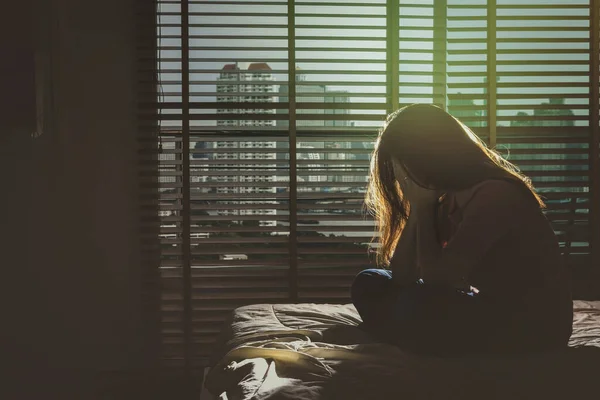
{"points": [[370, 282]]}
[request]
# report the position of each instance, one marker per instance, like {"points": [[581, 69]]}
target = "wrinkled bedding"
{"points": [[315, 351]]}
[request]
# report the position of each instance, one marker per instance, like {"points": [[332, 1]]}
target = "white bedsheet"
{"points": [[315, 351]]}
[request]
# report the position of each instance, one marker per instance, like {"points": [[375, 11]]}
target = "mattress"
{"points": [[315, 351]]}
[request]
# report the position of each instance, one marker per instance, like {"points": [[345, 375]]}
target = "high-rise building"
{"points": [[540, 119], [319, 151], [253, 83], [305, 93], [540, 114]]}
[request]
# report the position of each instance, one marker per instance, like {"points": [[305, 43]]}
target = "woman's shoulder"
{"points": [[493, 192]]}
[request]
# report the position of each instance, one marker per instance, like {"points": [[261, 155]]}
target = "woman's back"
{"points": [[523, 268]]}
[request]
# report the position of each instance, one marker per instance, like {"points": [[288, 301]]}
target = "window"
{"points": [[516, 71]]}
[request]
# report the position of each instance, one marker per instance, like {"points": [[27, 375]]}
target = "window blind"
{"points": [[266, 113], [340, 86], [543, 108]]}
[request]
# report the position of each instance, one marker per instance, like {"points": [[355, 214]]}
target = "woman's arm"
{"points": [[404, 260], [429, 251], [492, 211]]}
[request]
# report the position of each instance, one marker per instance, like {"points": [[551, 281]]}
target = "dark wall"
{"points": [[17, 88], [70, 223], [17, 119]]}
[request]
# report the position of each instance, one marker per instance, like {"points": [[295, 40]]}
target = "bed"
{"points": [[315, 351]]}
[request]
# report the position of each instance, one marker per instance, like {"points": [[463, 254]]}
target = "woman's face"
{"points": [[401, 174]]}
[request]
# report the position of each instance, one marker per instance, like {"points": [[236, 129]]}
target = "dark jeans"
{"points": [[441, 320]]}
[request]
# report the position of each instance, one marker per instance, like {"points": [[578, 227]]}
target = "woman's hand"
{"points": [[444, 276]]}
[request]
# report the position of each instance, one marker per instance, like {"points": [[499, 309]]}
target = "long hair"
{"points": [[438, 152]]}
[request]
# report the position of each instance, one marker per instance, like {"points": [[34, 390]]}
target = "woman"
{"points": [[473, 266]]}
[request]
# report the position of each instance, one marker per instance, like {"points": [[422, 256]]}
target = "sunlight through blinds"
{"points": [[268, 112]]}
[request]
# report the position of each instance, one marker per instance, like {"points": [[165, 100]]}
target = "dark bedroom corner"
{"points": [[300, 199]]}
